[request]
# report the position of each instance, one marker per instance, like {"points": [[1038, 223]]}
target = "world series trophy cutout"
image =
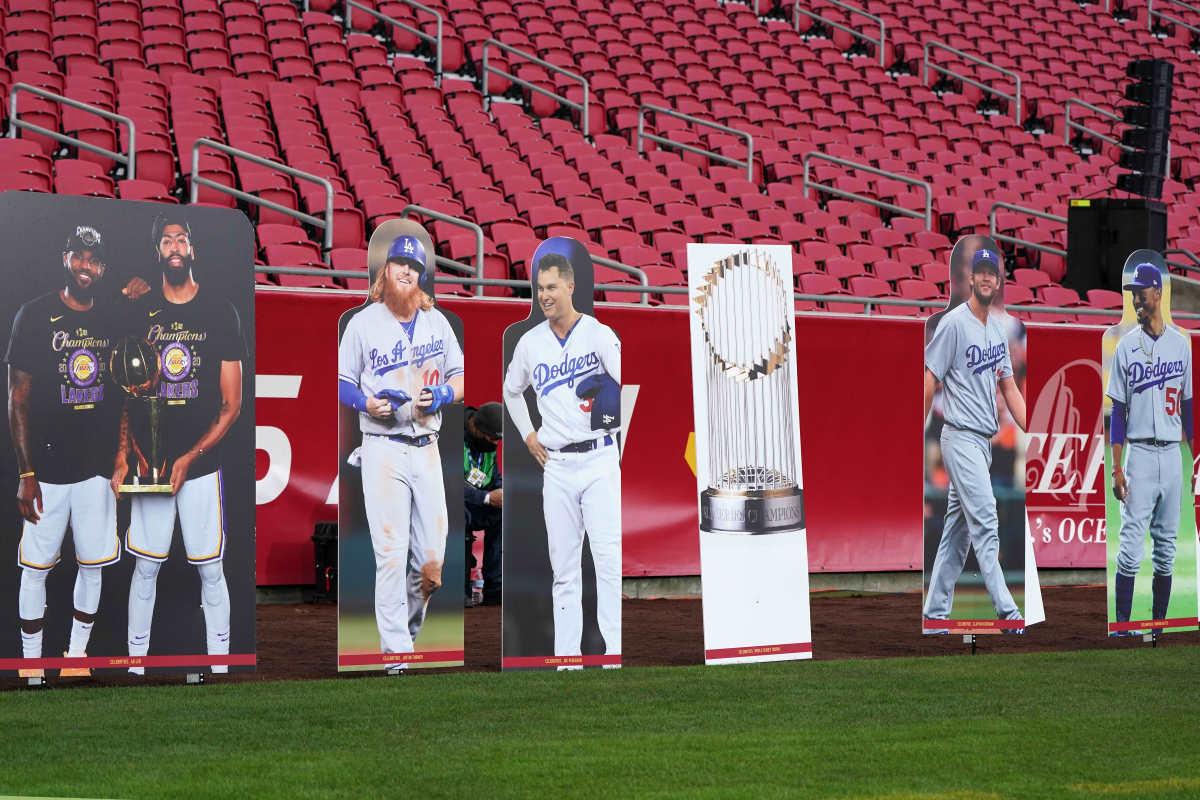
{"points": [[136, 367], [752, 485], [753, 542]]}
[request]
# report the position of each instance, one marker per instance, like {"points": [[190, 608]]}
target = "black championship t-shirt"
{"points": [[74, 410], [192, 340]]}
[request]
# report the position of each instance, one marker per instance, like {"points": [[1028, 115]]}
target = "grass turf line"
{"points": [[1018, 726]]}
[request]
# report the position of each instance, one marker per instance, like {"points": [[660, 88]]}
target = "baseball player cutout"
{"points": [[1150, 387], [198, 335], [62, 426], [572, 363], [400, 366], [968, 355]]}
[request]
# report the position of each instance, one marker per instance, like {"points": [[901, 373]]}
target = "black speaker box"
{"points": [[1102, 232]]}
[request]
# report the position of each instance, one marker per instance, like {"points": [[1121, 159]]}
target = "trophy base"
{"points": [[752, 512], [145, 488]]}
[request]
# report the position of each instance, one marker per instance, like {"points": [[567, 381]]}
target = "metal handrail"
{"points": [[796, 10], [641, 134], [129, 160], [487, 68], [1032, 212], [1079, 126], [1151, 14], [198, 181], [420, 34], [908, 212], [866, 302], [930, 45], [1193, 267], [477, 270], [640, 274]]}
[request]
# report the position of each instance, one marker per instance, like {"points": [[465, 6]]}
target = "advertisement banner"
{"points": [[863, 513]]}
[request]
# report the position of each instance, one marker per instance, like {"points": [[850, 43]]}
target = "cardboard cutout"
{"points": [[753, 546], [400, 476], [562, 520], [977, 546], [1149, 495], [161, 576]]}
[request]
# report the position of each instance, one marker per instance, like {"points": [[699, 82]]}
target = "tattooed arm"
{"points": [[29, 492]]}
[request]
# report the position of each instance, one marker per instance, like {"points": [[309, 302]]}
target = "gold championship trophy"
{"points": [[135, 367]]}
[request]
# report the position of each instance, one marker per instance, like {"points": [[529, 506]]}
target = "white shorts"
{"points": [[200, 505], [90, 509]]}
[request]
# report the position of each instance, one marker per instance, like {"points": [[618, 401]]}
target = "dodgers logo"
{"points": [[547, 377], [980, 359], [1143, 377], [82, 366]]}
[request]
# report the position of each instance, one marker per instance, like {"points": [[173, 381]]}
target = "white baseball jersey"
{"points": [[379, 352], [968, 357], [554, 367], [1152, 377]]}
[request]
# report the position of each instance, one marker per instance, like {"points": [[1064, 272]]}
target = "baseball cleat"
{"points": [[75, 672], [220, 669], [31, 673], [568, 667], [397, 669], [137, 670]]}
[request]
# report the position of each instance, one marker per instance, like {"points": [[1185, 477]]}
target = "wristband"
{"points": [[24, 475], [442, 395], [1118, 469]]}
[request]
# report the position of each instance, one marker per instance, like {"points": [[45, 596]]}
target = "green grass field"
{"points": [[1183, 589], [358, 633], [972, 601], [988, 726]]}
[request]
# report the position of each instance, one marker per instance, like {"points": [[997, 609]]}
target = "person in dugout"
{"points": [[484, 497]]}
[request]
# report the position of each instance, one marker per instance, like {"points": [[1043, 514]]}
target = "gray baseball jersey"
{"points": [[379, 352], [968, 357], [1152, 377]]}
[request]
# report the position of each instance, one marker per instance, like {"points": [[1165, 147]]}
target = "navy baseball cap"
{"points": [[985, 259], [1145, 276], [408, 248]]}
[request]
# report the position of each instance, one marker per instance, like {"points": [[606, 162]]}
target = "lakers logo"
{"points": [[176, 362], [82, 365]]}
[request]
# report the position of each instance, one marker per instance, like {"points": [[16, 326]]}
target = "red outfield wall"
{"points": [[860, 409]]}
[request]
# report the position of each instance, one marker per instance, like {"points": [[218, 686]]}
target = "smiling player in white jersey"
{"points": [[573, 363], [1151, 390], [399, 365]]}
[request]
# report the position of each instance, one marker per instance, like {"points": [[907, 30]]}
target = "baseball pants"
{"points": [[405, 500], [582, 495], [91, 510], [971, 522], [1155, 476]]}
